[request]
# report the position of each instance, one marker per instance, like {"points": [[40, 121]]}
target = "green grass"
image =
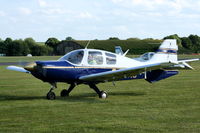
{"points": [[171, 105], [25, 58]]}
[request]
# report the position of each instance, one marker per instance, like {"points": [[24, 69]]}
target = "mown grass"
{"points": [[171, 105], [25, 58]]}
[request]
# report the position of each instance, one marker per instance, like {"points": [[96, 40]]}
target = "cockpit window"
{"points": [[145, 56], [151, 55], [74, 57], [95, 58], [110, 59]]}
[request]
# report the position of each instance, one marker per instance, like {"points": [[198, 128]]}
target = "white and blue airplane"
{"points": [[91, 66]]}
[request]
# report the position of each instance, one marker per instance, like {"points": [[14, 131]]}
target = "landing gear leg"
{"points": [[65, 92], [102, 94], [51, 95]]}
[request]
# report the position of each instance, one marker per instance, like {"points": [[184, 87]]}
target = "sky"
{"points": [[98, 19]]}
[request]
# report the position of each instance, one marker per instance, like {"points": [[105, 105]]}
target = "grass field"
{"points": [[171, 105]]}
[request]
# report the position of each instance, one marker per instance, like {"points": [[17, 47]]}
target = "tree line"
{"points": [[24, 47], [9, 47]]}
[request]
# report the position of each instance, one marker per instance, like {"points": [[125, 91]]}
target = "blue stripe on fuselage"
{"points": [[62, 71], [167, 51]]}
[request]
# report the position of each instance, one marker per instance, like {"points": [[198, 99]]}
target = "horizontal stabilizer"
{"points": [[19, 69], [184, 65], [188, 60]]}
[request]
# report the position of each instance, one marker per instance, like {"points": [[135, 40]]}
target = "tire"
{"points": [[51, 96], [64, 93], [103, 95]]}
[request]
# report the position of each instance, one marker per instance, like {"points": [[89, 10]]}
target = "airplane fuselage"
{"points": [[69, 71]]}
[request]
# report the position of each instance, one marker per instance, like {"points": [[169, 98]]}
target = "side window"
{"points": [[110, 59], [95, 58]]}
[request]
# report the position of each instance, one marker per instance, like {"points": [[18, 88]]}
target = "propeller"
{"points": [[27, 67], [19, 69]]}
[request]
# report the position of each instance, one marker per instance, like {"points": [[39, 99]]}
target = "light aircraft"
{"points": [[91, 66]]}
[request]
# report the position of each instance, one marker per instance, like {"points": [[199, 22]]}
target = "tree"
{"points": [[53, 42], [69, 38], [2, 48], [186, 43], [133, 39], [17, 48], [8, 40], [196, 42], [30, 42], [113, 38]]}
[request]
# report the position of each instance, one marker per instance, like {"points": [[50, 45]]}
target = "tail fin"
{"points": [[167, 52]]}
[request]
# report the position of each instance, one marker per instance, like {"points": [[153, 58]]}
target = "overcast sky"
{"points": [[98, 19]]}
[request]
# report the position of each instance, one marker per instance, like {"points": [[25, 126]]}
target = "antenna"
{"points": [[125, 52], [87, 44]]}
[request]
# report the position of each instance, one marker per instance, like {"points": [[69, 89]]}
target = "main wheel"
{"points": [[51, 95], [103, 95], [64, 93]]}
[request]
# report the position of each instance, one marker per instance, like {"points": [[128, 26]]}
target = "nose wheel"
{"points": [[51, 95]]}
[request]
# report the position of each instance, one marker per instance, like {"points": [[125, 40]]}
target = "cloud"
{"points": [[159, 8], [121, 29], [2, 14], [52, 11], [42, 3], [25, 11], [155, 4], [86, 15]]}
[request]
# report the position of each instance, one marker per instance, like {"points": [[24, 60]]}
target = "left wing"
{"points": [[122, 73]]}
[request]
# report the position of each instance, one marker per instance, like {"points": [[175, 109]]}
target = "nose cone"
{"points": [[30, 66]]}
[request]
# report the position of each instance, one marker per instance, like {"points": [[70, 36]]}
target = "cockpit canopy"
{"points": [[145, 56], [90, 57]]}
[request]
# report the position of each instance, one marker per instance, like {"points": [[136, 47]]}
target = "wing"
{"points": [[187, 60], [19, 69], [183, 63], [122, 73]]}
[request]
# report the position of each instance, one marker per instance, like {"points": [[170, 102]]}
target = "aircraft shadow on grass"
{"points": [[85, 97], [13, 97], [127, 93]]}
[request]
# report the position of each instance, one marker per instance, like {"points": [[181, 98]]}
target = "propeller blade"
{"points": [[19, 69]]}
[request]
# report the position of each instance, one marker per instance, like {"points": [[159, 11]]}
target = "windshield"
{"points": [[73, 57]]}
